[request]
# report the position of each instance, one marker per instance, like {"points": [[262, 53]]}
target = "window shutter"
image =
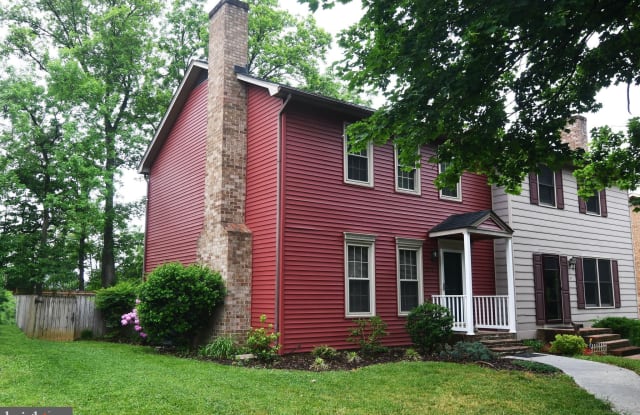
{"points": [[538, 287], [603, 203], [616, 282], [564, 289], [533, 188], [582, 205], [580, 283], [559, 190]]}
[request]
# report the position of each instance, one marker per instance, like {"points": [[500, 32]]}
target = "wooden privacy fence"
{"points": [[58, 316]]}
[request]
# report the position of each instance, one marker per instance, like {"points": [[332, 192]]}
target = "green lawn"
{"points": [[631, 364], [104, 378]]}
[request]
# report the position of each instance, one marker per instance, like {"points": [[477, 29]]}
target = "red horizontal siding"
{"points": [[175, 208], [319, 207], [261, 201]]}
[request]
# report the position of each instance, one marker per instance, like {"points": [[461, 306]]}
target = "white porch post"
{"points": [[511, 289], [468, 286]]}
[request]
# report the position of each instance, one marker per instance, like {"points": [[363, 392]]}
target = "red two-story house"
{"points": [[256, 180]]}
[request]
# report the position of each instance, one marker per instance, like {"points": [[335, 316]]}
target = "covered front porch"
{"points": [[471, 312]]}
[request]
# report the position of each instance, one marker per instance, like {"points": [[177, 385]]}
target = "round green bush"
{"points": [[177, 302], [568, 344], [429, 326], [115, 301]]}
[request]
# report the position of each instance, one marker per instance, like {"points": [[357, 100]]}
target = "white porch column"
{"points": [[511, 288], [468, 286]]}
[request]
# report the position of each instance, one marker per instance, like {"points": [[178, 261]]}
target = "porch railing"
{"points": [[489, 311]]}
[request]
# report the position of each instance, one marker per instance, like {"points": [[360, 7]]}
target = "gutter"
{"points": [[278, 296]]}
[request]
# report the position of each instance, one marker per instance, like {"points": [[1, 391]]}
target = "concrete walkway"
{"points": [[618, 386]]}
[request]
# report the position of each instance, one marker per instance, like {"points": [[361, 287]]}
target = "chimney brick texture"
{"points": [[225, 243], [577, 135]]}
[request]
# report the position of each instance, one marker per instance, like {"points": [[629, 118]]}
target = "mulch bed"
{"points": [[305, 361]]}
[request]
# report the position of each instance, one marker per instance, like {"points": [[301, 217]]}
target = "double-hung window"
{"points": [[595, 205], [452, 193], [358, 165], [545, 188], [359, 274], [407, 179], [598, 282], [409, 266]]}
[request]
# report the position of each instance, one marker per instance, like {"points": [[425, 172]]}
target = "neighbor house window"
{"points": [[595, 205], [358, 165], [452, 193], [407, 180], [409, 266], [598, 282], [359, 274], [545, 188]]}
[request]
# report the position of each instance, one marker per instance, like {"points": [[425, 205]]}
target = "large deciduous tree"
{"points": [[492, 84]]}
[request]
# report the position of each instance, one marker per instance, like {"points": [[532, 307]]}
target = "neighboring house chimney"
{"points": [[225, 243], [577, 135]]}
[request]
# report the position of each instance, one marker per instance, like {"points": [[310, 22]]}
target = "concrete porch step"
{"points": [[500, 342], [509, 350], [616, 344], [598, 338], [626, 351]]}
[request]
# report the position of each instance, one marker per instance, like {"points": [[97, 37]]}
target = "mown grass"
{"points": [[624, 362], [104, 378]]}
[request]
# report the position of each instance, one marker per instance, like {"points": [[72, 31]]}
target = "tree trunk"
{"points": [[108, 269]]}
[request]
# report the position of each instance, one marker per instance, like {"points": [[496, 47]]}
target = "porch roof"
{"points": [[483, 224]]}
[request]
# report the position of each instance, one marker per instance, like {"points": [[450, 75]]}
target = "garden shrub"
{"points": [[319, 365], [534, 344], [177, 303], [222, 348], [368, 334], [411, 355], [468, 352], [626, 327], [429, 326], [568, 344], [7, 306], [325, 352], [113, 302], [263, 341]]}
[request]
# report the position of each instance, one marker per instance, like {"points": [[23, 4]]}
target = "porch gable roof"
{"points": [[483, 223]]}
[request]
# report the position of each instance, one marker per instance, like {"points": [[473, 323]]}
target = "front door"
{"points": [[452, 272], [552, 289]]}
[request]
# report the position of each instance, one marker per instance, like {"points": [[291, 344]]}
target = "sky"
{"points": [[614, 99]]}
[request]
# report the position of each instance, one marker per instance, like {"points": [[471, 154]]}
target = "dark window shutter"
{"points": [[616, 282], [580, 283], [559, 190], [538, 288], [603, 203], [533, 188], [582, 205], [564, 289]]}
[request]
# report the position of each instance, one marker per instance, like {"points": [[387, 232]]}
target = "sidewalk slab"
{"points": [[618, 386]]}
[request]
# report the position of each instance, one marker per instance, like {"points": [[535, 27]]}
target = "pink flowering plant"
{"points": [[132, 318]]}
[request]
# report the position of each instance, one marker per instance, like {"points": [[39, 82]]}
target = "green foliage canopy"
{"points": [[492, 84]]}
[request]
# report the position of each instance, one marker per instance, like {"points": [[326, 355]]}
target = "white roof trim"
{"points": [[270, 86]]}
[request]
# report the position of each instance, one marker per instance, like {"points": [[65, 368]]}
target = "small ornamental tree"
{"points": [[177, 302], [429, 326]]}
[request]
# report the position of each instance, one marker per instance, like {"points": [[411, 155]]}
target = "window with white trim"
{"points": [[598, 282], [409, 269], [453, 193], [358, 165], [359, 275], [407, 181], [546, 186]]}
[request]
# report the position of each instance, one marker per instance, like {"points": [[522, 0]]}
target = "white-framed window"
{"points": [[451, 193], [593, 204], [410, 276], [407, 181], [359, 270], [358, 165], [546, 186], [598, 282]]}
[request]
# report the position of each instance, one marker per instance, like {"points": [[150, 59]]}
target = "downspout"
{"points": [[146, 227], [278, 297]]}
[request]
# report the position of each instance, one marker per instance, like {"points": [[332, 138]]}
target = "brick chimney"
{"points": [[225, 243], [577, 135]]}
